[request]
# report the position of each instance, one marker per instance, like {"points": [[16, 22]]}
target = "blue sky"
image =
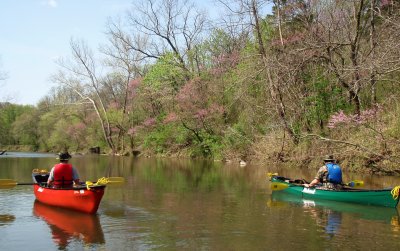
{"points": [[33, 33]]}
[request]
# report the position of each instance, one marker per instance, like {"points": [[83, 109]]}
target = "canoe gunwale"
{"points": [[40, 179], [346, 189], [80, 187]]}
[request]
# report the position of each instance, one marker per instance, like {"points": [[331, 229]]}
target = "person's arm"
{"points": [[318, 178], [75, 176], [313, 183], [51, 177]]}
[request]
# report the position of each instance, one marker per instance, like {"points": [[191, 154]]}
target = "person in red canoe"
{"points": [[63, 175]]}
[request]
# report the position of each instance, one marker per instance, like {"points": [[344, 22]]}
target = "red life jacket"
{"points": [[62, 175]]}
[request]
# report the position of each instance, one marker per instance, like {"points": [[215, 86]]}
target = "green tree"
{"points": [[8, 115], [25, 129]]}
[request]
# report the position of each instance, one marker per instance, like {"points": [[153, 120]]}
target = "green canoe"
{"points": [[380, 197]]}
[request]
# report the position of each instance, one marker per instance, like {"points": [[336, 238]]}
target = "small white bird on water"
{"points": [[242, 163]]}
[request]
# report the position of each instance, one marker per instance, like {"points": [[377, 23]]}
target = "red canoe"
{"points": [[77, 198]]}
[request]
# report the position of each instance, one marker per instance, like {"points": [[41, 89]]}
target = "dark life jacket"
{"points": [[334, 173], [62, 175]]}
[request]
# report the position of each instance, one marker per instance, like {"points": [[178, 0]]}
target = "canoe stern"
{"points": [[79, 199]]}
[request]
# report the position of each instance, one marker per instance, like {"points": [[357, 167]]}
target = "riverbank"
{"points": [[271, 149]]}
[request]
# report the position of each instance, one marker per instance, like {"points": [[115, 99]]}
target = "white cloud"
{"points": [[50, 3]]}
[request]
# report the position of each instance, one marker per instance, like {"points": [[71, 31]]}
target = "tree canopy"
{"points": [[310, 77]]}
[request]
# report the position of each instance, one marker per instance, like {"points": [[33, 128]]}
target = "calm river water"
{"points": [[188, 205]]}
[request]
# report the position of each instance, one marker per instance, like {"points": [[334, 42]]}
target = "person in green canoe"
{"points": [[329, 175], [63, 175]]}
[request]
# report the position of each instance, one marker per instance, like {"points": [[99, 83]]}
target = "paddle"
{"points": [[114, 180], [276, 186], [106, 181], [9, 183]]}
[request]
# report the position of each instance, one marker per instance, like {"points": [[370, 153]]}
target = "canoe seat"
{"points": [[41, 178], [299, 181]]}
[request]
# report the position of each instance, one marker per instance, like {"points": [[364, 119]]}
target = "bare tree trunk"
{"points": [[273, 87], [278, 7], [373, 45], [260, 41], [85, 68], [355, 46]]}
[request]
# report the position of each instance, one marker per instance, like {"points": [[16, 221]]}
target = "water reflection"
{"points": [[188, 205], [326, 218], [67, 226], [6, 219], [329, 214]]}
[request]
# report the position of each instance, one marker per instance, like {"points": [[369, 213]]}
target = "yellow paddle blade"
{"points": [[6, 218], [276, 186], [105, 181], [116, 180], [7, 183], [356, 183], [270, 175]]}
